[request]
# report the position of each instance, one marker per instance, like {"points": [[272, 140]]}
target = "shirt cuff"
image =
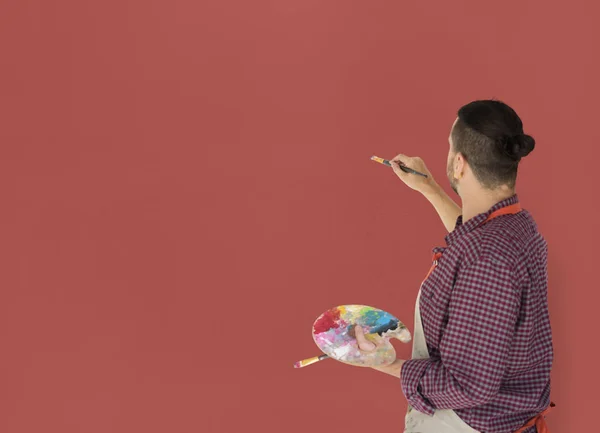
{"points": [[410, 376]]}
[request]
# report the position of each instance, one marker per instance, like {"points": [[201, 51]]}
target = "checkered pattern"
{"points": [[485, 316]]}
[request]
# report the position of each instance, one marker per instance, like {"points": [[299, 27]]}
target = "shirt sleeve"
{"points": [[475, 345]]}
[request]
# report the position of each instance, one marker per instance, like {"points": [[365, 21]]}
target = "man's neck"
{"points": [[481, 200]]}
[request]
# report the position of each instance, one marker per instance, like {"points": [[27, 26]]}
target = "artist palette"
{"points": [[334, 333]]}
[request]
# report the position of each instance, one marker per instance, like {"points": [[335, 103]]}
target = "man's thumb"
{"points": [[363, 343]]}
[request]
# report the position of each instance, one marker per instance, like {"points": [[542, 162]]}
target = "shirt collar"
{"points": [[461, 229]]}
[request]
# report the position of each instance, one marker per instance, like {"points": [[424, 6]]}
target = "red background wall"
{"points": [[185, 186]]}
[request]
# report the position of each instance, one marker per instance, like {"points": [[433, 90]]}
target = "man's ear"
{"points": [[459, 165]]}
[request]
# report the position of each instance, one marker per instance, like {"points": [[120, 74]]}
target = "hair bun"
{"points": [[518, 146]]}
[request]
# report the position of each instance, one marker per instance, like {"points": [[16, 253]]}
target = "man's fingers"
{"points": [[363, 343], [402, 160]]}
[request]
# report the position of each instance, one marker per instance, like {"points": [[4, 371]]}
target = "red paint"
{"points": [[327, 321]]}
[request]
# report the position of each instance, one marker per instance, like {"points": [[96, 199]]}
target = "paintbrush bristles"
{"points": [[380, 160]]}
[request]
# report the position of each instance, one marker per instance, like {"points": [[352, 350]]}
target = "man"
{"points": [[482, 349]]}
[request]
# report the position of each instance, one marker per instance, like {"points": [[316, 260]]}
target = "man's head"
{"points": [[486, 144]]}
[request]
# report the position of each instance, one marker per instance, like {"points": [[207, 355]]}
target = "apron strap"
{"points": [[539, 422], [506, 210], [435, 259]]}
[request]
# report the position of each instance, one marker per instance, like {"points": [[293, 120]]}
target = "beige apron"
{"points": [[443, 420]]}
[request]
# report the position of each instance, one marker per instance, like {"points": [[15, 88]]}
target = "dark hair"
{"points": [[489, 134]]}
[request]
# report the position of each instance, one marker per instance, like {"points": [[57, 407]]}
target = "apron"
{"points": [[446, 420]]}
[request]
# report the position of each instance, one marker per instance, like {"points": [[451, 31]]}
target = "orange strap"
{"points": [[506, 210], [435, 259], [539, 422]]}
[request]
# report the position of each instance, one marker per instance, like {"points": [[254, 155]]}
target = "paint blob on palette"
{"points": [[334, 333]]}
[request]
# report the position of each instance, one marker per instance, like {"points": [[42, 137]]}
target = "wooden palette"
{"points": [[333, 332]]}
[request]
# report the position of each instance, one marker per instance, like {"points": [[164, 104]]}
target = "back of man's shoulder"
{"points": [[509, 236]]}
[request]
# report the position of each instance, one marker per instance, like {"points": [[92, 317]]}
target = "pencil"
{"points": [[400, 165]]}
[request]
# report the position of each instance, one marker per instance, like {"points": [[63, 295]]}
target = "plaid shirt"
{"points": [[485, 316]]}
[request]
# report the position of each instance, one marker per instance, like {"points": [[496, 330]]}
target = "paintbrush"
{"points": [[401, 165], [310, 361], [392, 325]]}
